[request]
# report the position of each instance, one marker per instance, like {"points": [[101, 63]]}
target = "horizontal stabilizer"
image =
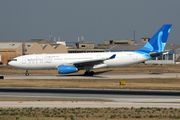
{"points": [[153, 54]]}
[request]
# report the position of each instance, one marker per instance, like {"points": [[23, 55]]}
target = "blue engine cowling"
{"points": [[65, 69]]}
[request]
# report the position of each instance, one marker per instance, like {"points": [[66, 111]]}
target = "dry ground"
{"points": [[144, 83]]}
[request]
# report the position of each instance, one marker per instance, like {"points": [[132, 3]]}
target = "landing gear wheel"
{"points": [[91, 73], [26, 74], [86, 73]]}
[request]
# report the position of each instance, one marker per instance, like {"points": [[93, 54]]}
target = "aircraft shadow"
{"points": [[95, 73], [155, 73]]}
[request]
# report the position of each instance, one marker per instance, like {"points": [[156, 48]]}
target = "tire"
{"points": [[86, 73], [27, 74], [91, 73]]}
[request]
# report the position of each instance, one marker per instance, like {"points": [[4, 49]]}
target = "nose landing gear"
{"points": [[26, 74]]}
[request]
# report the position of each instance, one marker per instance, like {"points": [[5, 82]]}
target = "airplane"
{"points": [[67, 63]]}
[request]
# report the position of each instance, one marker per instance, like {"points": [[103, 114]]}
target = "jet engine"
{"points": [[65, 69]]}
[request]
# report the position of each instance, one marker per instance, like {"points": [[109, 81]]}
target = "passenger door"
{"points": [[23, 60]]}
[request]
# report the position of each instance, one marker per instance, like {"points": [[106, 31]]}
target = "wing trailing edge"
{"points": [[93, 61]]}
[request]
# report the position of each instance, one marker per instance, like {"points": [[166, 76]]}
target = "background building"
{"points": [[127, 42], [12, 49], [145, 40], [84, 48]]}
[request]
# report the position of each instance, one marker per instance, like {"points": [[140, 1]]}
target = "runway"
{"points": [[119, 98], [96, 76]]}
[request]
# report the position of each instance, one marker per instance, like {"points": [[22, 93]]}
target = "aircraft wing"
{"points": [[92, 62]]}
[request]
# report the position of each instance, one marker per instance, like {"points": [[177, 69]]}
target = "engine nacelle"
{"points": [[65, 69]]}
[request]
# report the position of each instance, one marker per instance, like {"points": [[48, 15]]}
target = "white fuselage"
{"points": [[52, 61]]}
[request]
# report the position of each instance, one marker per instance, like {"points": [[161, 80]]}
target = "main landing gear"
{"points": [[90, 73], [26, 74]]}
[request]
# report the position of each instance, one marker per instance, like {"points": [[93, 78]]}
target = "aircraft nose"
{"points": [[10, 63]]}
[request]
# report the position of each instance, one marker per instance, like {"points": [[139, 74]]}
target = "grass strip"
{"points": [[88, 113], [140, 83]]}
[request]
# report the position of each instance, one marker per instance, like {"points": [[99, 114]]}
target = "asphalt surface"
{"points": [[96, 76], [157, 93], [119, 98]]}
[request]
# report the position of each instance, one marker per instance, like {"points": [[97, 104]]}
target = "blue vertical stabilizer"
{"points": [[157, 43]]}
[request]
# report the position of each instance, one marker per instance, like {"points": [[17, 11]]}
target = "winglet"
{"points": [[113, 56]]}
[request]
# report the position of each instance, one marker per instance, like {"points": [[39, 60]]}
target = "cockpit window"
{"points": [[14, 60]]}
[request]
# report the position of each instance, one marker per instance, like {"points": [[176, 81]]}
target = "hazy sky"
{"points": [[95, 20]]}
